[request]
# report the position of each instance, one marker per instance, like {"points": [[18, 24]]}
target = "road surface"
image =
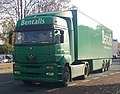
{"points": [[9, 86]]}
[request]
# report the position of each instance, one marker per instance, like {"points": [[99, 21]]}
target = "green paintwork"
{"points": [[40, 21], [84, 39], [90, 37], [90, 44], [35, 67]]}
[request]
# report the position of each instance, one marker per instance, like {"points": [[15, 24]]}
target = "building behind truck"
{"points": [[59, 46]]}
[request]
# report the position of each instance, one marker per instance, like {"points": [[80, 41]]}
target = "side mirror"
{"points": [[10, 37]]}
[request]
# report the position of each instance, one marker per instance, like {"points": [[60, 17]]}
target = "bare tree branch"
{"points": [[16, 9], [8, 13]]}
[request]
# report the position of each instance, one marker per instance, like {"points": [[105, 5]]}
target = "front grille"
{"points": [[32, 62], [32, 66], [33, 74]]}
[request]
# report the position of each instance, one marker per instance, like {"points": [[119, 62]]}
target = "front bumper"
{"points": [[38, 72]]}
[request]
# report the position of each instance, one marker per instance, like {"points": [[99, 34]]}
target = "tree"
{"points": [[7, 25], [17, 9], [12, 10]]}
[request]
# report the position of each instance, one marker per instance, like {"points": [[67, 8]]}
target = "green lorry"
{"points": [[59, 46]]}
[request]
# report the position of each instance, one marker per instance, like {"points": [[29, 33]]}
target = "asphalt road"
{"points": [[9, 86]]}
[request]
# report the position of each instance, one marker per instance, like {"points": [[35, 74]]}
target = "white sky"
{"points": [[106, 12]]}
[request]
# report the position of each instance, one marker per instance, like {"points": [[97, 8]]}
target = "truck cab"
{"points": [[41, 49]]}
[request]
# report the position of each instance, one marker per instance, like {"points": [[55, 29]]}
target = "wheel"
{"points": [[66, 79], [108, 65], [86, 72], [103, 68]]}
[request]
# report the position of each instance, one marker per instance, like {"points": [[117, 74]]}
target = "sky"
{"points": [[106, 12]]}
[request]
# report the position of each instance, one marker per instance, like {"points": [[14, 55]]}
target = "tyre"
{"points": [[108, 65], [67, 77], [86, 72], [103, 68]]}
